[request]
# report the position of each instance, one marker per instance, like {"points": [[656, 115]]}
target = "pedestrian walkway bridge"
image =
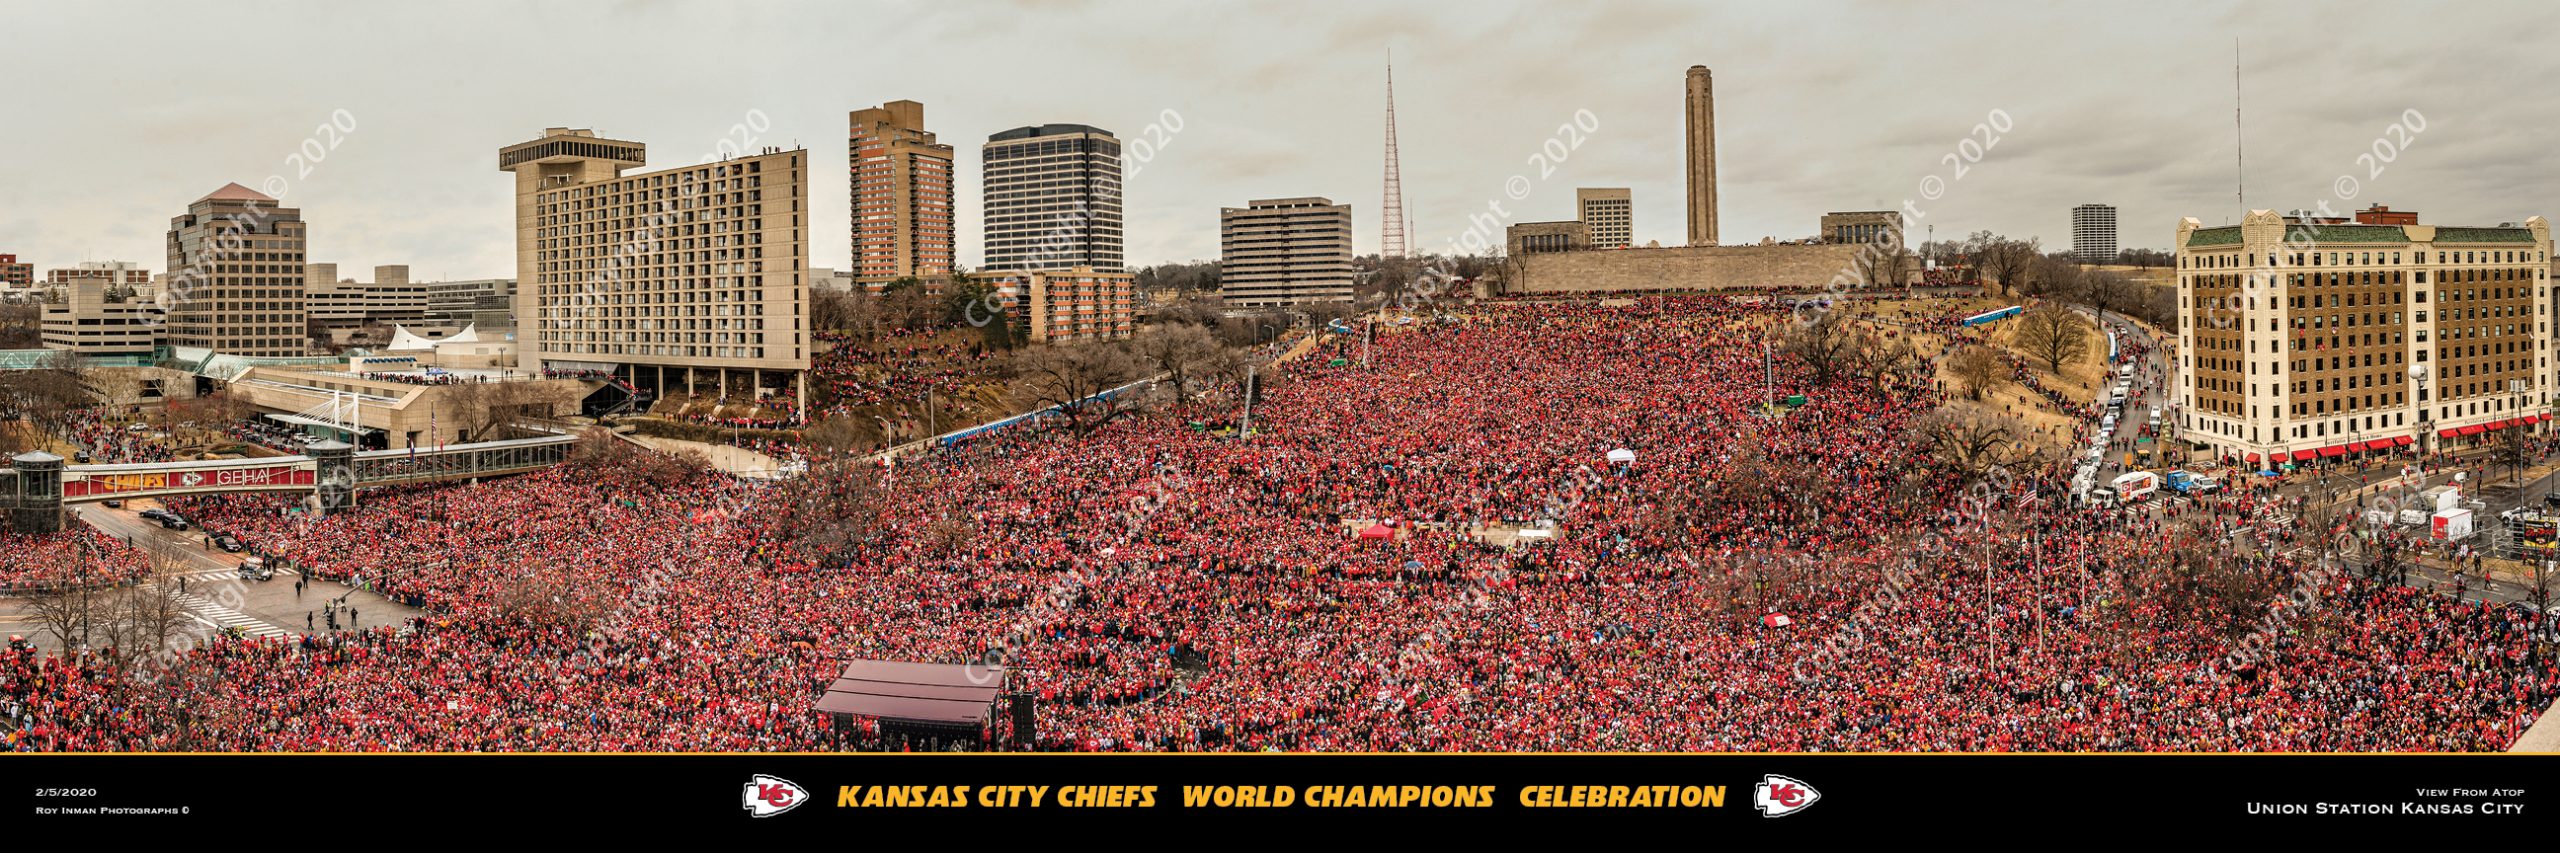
{"points": [[37, 485]]}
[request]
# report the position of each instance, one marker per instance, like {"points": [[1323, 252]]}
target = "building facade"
{"points": [[2303, 340], [1285, 251], [1862, 226], [1532, 238], [488, 303], [682, 279], [1052, 199], [902, 198], [16, 274], [2093, 233], [1078, 304], [1609, 213], [335, 303], [101, 319], [236, 276], [124, 273]]}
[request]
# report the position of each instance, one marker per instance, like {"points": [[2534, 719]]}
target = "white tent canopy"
{"points": [[1622, 455]]}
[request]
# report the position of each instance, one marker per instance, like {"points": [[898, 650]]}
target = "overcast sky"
{"points": [[119, 114]]}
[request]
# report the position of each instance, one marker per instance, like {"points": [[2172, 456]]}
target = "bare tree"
{"points": [[2053, 333], [1978, 368], [1970, 443], [2005, 260], [1827, 344], [1182, 351], [1073, 378], [2106, 290]]}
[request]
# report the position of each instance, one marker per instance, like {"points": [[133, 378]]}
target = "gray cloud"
{"points": [[1822, 106]]}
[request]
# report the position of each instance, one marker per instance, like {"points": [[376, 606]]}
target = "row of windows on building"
{"points": [[2368, 258]]}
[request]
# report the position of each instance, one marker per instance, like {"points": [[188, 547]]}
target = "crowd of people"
{"points": [[1161, 588], [74, 558]]}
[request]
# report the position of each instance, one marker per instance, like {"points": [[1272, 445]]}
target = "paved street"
{"points": [[215, 596]]}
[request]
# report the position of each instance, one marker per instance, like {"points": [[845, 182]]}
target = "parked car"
{"points": [[155, 514], [112, 503], [256, 568], [80, 457], [226, 543]]}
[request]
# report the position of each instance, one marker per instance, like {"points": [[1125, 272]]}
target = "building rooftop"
{"points": [[236, 192], [1045, 130]]}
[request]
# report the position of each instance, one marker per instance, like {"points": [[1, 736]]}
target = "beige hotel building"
{"points": [[693, 277], [2303, 339]]}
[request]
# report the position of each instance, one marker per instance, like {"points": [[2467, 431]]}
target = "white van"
{"points": [[2136, 485]]}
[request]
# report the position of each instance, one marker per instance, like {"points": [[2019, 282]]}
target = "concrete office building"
{"points": [[102, 319], [1609, 213], [1285, 251], [335, 303], [236, 276], [902, 193], [1701, 104], [2302, 340], [684, 279], [2093, 234], [1052, 199], [488, 303], [1863, 226]]}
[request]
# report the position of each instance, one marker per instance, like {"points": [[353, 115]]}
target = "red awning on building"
{"points": [[2474, 429], [2546, 416], [2334, 450], [2305, 455], [2253, 458], [2403, 441], [2446, 433], [2355, 447]]}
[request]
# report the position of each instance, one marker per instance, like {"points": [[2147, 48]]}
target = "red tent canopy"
{"points": [[1378, 531]]}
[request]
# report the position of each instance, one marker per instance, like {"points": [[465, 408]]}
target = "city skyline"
{"points": [[1852, 119]]}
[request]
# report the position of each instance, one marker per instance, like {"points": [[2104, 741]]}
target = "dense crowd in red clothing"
{"points": [[1161, 588]]}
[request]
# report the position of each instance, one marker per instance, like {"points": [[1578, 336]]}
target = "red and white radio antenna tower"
{"points": [[1392, 217]]}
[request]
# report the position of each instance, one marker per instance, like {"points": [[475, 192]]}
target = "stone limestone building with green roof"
{"points": [[2309, 340]]}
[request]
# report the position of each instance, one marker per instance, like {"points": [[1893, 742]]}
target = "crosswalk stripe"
{"points": [[205, 610]]}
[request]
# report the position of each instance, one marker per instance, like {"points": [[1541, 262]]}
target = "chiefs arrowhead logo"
{"points": [[767, 796], [1779, 796], [192, 478]]}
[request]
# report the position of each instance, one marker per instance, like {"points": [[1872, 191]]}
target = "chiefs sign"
{"points": [[76, 485]]}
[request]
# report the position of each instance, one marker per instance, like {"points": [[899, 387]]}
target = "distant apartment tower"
{"points": [[1862, 226], [902, 192], [2093, 233], [115, 273], [684, 278], [1609, 213], [15, 274], [1077, 304], [236, 276], [1052, 199], [1285, 251]]}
